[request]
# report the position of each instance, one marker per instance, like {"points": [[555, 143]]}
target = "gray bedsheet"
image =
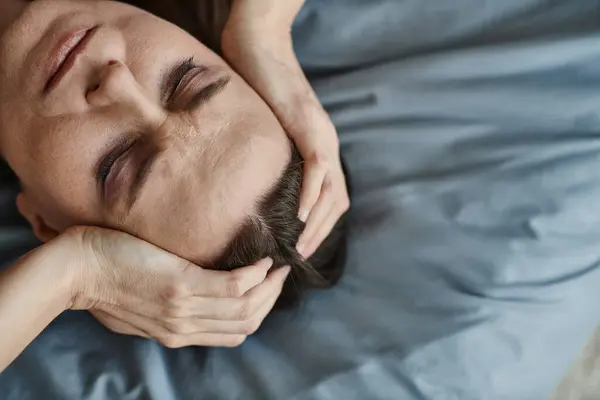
{"points": [[471, 129]]}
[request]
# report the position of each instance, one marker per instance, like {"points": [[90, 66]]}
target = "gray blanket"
{"points": [[471, 129]]}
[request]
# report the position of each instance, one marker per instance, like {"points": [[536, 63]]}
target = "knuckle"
{"points": [[345, 204], [175, 290], [234, 341], [234, 286], [320, 160], [244, 310], [173, 312], [171, 340], [251, 327], [112, 328], [328, 187], [176, 326]]}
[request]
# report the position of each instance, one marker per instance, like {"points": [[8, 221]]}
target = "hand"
{"points": [[135, 288], [258, 44]]}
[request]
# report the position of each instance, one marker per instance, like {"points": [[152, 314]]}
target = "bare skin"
{"points": [[109, 272]]}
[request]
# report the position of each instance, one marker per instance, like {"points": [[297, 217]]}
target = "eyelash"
{"points": [[180, 72], [107, 163], [105, 168]]}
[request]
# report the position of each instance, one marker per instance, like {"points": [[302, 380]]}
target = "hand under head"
{"points": [[200, 165]]}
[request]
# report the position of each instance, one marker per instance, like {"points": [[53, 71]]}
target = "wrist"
{"points": [[243, 37], [49, 268], [247, 52], [265, 15], [66, 255]]}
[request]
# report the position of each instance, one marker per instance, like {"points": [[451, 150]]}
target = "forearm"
{"points": [[33, 292], [257, 42]]}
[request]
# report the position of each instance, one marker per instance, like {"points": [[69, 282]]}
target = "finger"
{"points": [[118, 325], [324, 230], [250, 326], [315, 171], [189, 326], [202, 339], [317, 215], [171, 332], [243, 308], [171, 339], [266, 309], [175, 299], [212, 283], [165, 331]]}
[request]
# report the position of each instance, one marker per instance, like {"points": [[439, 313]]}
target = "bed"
{"points": [[471, 131]]}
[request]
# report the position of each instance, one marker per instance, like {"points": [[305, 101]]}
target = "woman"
{"points": [[135, 288]]}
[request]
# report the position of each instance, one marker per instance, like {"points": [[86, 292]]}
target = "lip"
{"points": [[63, 56]]}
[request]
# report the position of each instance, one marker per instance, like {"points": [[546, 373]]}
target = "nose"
{"points": [[117, 87]]}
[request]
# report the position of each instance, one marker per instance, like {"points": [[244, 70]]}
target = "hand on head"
{"points": [[135, 288], [257, 42], [130, 133]]}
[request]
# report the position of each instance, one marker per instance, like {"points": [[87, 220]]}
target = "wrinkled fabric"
{"points": [[471, 130]]}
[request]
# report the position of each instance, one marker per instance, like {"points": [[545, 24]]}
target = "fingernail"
{"points": [[266, 262], [286, 270], [303, 215], [300, 247]]}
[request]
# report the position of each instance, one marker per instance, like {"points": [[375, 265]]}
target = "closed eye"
{"points": [[169, 85], [187, 73], [106, 163], [172, 80], [173, 83]]}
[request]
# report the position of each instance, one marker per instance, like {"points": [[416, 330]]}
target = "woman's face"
{"points": [[113, 117]]}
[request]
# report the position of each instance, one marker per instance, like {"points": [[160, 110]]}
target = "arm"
{"points": [[33, 292], [257, 42], [134, 288]]}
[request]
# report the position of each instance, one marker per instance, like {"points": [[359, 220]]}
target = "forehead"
{"points": [[201, 207]]}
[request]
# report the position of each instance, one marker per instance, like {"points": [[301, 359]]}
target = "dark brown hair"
{"points": [[274, 232]]}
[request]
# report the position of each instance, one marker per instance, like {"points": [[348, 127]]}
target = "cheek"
{"points": [[175, 213], [54, 215], [64, 197], [176, 230], [173, 233]]}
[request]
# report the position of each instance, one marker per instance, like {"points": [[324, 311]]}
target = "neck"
{"points": [[9, 11]]}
